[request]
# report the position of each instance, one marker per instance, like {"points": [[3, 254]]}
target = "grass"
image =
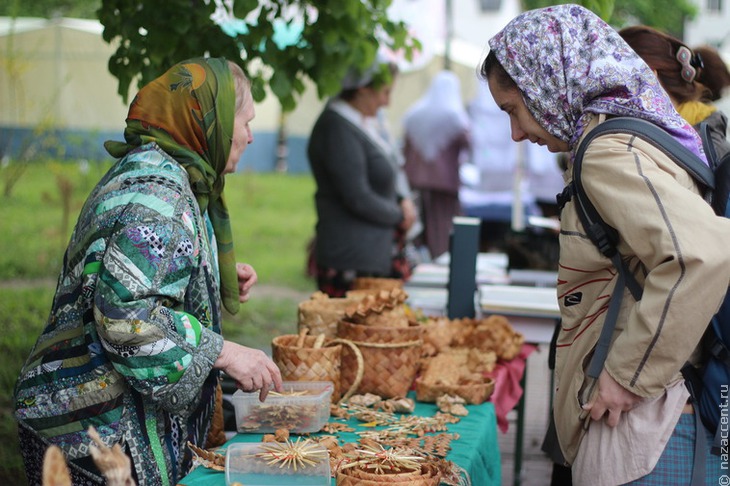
{"points": [[272, 217], [272, 220]]}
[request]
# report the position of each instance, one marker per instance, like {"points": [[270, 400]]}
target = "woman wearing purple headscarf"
{"points": [[559, 72]]}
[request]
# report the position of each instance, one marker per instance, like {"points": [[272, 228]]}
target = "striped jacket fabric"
{"points": [[134, 328]]}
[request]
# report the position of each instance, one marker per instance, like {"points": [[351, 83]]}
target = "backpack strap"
{"points": [[705, 132], [721, 194], [662, 140], [692, 381]]}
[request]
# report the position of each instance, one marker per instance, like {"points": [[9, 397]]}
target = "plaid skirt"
{"points": [[675, 463]]}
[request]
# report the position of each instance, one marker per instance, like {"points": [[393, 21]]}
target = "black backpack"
{"points": [[708, 385]]}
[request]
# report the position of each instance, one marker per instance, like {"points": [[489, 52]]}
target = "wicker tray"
{"points": [[379, 283], [427, 476]]}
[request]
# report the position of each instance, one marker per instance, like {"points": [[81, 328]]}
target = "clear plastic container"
{"points": [[247, 463], [303, 408]]}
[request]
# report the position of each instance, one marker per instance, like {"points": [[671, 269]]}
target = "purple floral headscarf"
{"points": [[569, 64]]}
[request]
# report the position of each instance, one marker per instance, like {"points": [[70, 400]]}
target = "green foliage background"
{"points": [[335, 35]]}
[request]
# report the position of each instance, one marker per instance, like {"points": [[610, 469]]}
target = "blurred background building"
{"points": [[58, 96]]}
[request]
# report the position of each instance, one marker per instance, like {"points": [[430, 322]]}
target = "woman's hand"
{"points": [[246, 279], [250, 368], [611, 399], [409, 213]]}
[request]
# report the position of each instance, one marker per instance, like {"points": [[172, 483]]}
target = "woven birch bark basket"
{"points": [[390, 354], [377, 283], [300, 359], [321, 313], [427, 476]]}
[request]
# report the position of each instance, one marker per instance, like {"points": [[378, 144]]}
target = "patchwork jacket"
{"points": [[134, 328]]}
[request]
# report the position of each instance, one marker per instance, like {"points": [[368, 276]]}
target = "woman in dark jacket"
{"points": [[360, 216]]}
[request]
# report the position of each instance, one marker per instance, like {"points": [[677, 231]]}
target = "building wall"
{"points": [[711, 26], [477, 25], [56, 76]]}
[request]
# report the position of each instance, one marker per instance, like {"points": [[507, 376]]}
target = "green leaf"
{"points": [[258, 90], [280, 85], [341, 36], [241, 8], [288, 103]]}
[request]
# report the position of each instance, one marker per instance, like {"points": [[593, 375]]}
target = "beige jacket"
{"points": [[677, 248]]}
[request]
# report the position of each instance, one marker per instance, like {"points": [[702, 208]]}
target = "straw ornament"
{"points": [[295, 455], [206, 458]]}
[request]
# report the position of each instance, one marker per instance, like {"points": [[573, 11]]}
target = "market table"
{"points": [[526, 297], [477, 450]]}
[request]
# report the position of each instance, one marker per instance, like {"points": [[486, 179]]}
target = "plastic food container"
{"points": [[247, 463], [303, 408]]}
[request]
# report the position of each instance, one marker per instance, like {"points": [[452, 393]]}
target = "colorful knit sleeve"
{"points": [[162, 351]]}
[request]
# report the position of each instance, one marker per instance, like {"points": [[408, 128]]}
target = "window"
{"points": [[493, 5], [714, 5]]}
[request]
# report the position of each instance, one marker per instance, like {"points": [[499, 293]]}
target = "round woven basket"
{"points": [[360, 294], [390, 354], [377, 283], [306, 363], [427, 476], [474, 394], [320, 316]]}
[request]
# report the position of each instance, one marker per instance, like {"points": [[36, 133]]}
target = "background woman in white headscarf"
{"points": [[491, 195], [436, 130]]}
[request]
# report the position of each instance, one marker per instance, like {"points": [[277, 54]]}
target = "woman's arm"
{"points": [[161, 350]]}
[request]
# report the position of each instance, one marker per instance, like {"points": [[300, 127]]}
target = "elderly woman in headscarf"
{"points": [[559, 72], [133, 343], [362, 216], [436, 134]]}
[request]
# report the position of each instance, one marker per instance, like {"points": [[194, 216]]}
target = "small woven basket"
{"points": [[474, 394], [377, 283], [391, 356], [307, 363], [427, 476], [320, 316]]}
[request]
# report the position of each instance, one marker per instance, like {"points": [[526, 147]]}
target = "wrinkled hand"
{"points": [[250, 368], [246, 279], [611, 399], [409, 213]]}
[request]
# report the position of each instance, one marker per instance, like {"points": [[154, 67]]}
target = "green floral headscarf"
{"points": [[189, 112]]}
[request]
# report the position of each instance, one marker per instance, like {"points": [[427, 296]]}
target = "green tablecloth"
{"points": [[476, 450]]}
